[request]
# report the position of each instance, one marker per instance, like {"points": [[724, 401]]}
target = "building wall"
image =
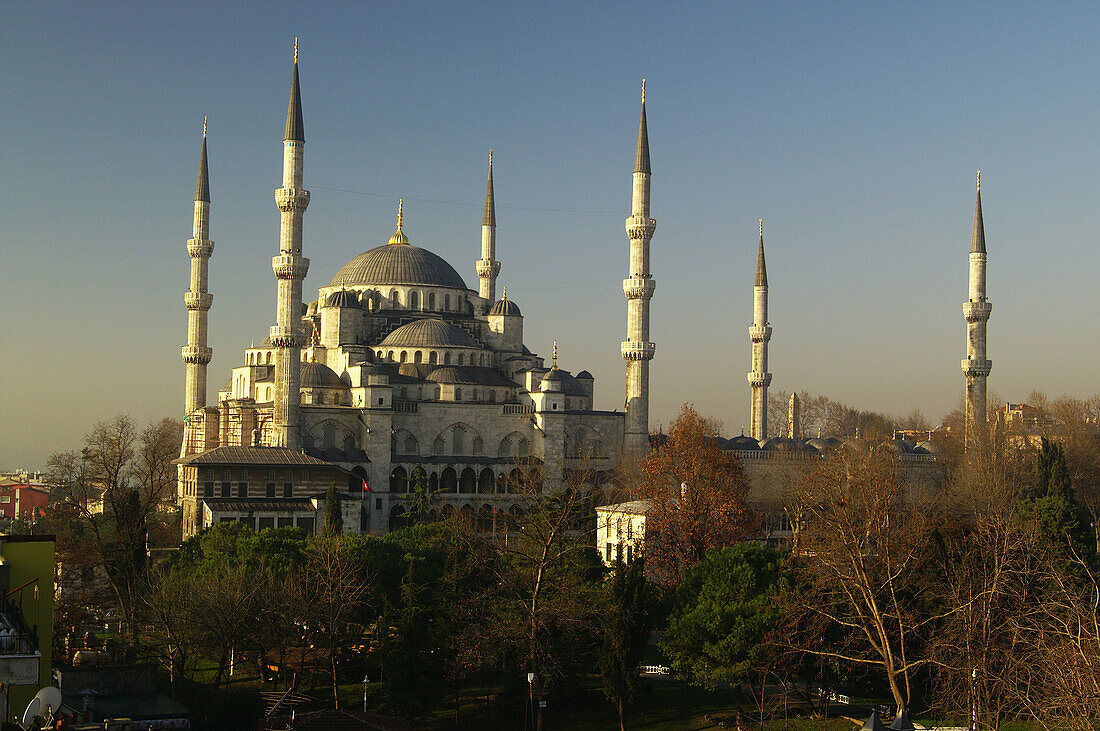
{"points": [[32, 557]]}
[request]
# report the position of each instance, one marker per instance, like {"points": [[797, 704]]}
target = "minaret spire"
{"points": [[196, 354], [976, 311], [637, 350], [290, 269], [487, 266], [760, 333]]}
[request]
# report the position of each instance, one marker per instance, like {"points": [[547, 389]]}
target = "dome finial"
{"points": [[979, 181], [399, 236], [504, 295], [555, 354]]}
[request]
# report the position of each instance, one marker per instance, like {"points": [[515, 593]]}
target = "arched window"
{"points": [[478, 447], [437, 446], [433, 482], [492, 395], [269, 358], [404, 355], [448, 482], [414, 300], [395, 299], [390, 356], [468, 483], [458, 394], [447, 302], [398, 480], [485, 481], [462, 359], [436, 395], [433, 357], [458, 441], [397, 517], [410, 446], [418, 357], [329, 435], [431, 300], [446, 359]]}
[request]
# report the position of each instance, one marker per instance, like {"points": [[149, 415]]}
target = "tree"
{"points": [[626, 629], [130, 475], [1048, 500], [721, 614], [334, 519], [862, 542], [697, 496]]}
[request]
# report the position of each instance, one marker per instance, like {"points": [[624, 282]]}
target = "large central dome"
{"points": [[398, 264]]}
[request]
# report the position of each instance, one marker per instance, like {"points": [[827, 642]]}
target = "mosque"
{"points": [[396, 378]]}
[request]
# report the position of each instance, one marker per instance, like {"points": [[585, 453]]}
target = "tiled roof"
{"points": [[634, 507], [261, 505], [253, 455]]}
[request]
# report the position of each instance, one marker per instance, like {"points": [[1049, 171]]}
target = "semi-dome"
{"points": [[342, 298], [564, 381], [316, 375], [429, 333], [400, 264]]}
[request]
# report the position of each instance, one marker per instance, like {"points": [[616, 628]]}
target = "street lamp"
{"points": [[366, 684]]}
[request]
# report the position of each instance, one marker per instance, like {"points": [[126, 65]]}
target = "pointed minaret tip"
{"points": [[977, 236], [490, 217], [761, 267], [641, 155], [295, 128], [202, 185]]}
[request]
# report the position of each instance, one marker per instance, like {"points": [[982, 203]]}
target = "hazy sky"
{"points": [[854, 130]]}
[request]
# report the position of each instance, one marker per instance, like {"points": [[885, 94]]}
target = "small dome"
{"points": [[554, 374], [452, 375], [342, 298], [429, 333], [930, 447], [584, 376], [505, 307], [743, 443], [315, 375], [561, 380], [821, 445], [897, 446]]}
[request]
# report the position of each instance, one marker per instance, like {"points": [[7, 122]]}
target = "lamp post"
{"points": [[366, 684], [531, 692]]}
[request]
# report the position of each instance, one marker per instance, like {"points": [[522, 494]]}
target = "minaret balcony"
{"points": [[977, 311], [198, 300], [290, 200], [639, 287], [760, 333], [975, 368], [638, 351], [287, 337], [640, 227], [200, 248], [487, 268], [757, 379], [290, 266], [196, 354]]}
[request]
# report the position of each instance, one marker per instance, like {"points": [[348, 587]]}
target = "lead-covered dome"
{"points": [[316, 375], [400, 264], [429, 333]]}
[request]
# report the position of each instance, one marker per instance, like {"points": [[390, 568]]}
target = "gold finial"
{"points": [[400, 212], [253, 342], [490, 157], [761, 228], [643, 91], [979, 181], [555, 354], [204, 127], [295, 50], [504, 296]]}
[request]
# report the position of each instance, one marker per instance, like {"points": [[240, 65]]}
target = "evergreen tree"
{"points": [[625, 633], [334, 519], [1048, 501]]}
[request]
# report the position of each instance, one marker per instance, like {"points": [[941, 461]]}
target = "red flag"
{"points": [[366, 487]]}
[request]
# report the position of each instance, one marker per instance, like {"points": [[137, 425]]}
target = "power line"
{"points": [[389, 196]]}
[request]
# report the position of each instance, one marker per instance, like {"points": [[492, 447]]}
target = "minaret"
{"points": [[290, 269], [976, 311], [195, 354], [638, 288], [487, 266], [760, 332]]}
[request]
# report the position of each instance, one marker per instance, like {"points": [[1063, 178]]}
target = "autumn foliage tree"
{"points": [[697, 494]]}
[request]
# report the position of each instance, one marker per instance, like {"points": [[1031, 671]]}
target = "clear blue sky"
{"points": [[854, 130]]}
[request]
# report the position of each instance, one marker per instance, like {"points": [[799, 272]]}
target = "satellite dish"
{"points": [[45, 704]]}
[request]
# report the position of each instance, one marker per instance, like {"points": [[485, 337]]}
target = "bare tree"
{"points": [[862, 541]]}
